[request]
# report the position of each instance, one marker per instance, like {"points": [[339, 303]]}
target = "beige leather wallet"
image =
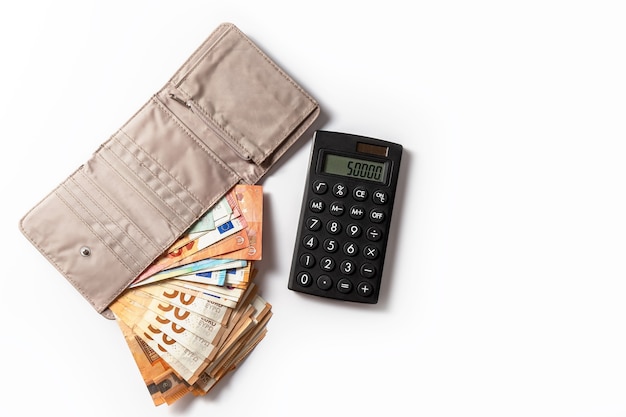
{"points": [[225, 117]]}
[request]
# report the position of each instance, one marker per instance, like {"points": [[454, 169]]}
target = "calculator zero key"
{"points": [[343, 230]]}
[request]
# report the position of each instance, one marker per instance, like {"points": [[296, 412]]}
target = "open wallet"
{"points": [[225, 117]]}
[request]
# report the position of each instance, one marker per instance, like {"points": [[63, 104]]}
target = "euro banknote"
{"points": [[196, 313]]}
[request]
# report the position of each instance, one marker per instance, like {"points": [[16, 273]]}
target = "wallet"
{"points": [[225, 117]]}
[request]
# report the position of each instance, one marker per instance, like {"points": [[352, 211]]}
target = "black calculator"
{"points": [[346, 211]]}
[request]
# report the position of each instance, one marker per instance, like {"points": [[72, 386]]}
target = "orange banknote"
{"points": [[250, 202]]}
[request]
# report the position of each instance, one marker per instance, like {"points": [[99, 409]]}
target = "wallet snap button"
{"points": [[85, 251]]}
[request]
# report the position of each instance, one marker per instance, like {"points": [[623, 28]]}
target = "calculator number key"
{"points": [[310, 242], [333, 227], [347, 267], [331, 245], [350, 248], [307, 260], [313, 224], [327, 264], [353, 230], [304, 279]]}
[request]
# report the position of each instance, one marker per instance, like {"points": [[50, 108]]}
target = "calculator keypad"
{"points": [[340, 253]]}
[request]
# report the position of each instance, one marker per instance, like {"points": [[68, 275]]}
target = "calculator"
{"points": [[346, 211]]}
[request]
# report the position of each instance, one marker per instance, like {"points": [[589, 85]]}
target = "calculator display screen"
{"points": [[355, 168]]}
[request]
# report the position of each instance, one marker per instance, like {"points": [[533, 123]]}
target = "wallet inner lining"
{"points": [[243, 96], [103, 228]]}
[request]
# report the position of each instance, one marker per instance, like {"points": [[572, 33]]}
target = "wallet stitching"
{"points": [[155, 175], [174, 208], [276, 68], [198, 142], [206, 114], [46, 253], [289, 80], [291, 128], [148, 187], [96, 220], [65, 273], [167, 172], [112, 220], [200, 59], [206, 150], [283, 133], [176, 228], [191, 193], [257, 49], [97, 188]]}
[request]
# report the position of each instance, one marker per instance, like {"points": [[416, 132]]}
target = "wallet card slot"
{"points": [[107, 229], [156, 189], [179, 152], [172, 191], [137, 204], [138, 242], [237, 90], [141, 189]]}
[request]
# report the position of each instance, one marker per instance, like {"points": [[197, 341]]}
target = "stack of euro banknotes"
{"points": [[193, 315]]}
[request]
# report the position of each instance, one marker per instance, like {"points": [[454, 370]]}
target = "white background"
{"points": [[505, 282]]}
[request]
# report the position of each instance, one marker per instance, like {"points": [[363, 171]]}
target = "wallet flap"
{"points": [[246, 99], [72, 245]]}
